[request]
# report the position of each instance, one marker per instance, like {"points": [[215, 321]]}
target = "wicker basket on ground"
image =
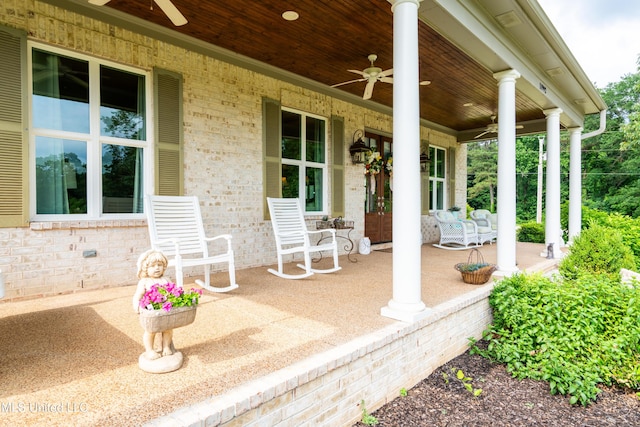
{"points": [[475, 271]]}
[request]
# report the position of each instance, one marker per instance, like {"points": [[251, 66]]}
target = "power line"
{"points": [[565, 173]]}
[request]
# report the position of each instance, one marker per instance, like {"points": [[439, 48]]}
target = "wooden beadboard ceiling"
{"points": [[332, 36]]}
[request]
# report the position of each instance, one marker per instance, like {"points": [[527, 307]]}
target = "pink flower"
{"points": [[168, 296]]}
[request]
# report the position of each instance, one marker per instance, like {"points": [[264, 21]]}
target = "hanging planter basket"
{"points": [[153, 321], [475, 271]]}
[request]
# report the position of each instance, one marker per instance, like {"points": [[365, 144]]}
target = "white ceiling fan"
{"points": [[371, 75], [492, 128], [167, 7]]}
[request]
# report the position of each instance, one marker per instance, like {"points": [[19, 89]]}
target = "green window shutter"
{"points": [[272, 149], [169, 173], [424, 181], [337, 168], [14, 211], [452, 178]]}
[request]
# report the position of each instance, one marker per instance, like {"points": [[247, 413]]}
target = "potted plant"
{"points": [[168, 306], [475, 271]]}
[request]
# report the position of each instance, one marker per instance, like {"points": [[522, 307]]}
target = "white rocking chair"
{"points": [[176, 229], [456, 234], [487, 225], [292, 236]]}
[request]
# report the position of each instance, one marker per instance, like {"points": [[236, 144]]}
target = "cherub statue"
{"points": [[151, 267]]}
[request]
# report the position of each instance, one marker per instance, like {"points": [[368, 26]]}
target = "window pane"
{"points": [[61, 176], [439, 166], [315, 140], [122, 104], [432, 156], [291, 136], [60, 92], [122, 182], [439, 195], [313, 190], [290, 181]]}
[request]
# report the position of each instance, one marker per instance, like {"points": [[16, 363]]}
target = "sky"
{"points": [[603, 35]]}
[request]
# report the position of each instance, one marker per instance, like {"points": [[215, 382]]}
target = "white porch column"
{"points": [[575, 182], [506, 250], [552, 227], [406, 303]]}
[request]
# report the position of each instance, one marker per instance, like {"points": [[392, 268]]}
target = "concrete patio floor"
{"points": [[73, 359]]}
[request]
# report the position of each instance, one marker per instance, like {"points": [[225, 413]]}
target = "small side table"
{"points": [[338, 225]]}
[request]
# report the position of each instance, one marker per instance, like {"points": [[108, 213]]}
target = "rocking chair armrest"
{"points": [[227, 237], [221, 236], [483, 222], [468, 221], [174, 242], [330, 230]]}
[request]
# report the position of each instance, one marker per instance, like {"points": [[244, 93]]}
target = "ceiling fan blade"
{"points": [[387, 79], [386, 73], [481, 134], [172, 12], [350, 81], [99, 2], [519, 126], [368, 90], [357, 72], [425, 82]]}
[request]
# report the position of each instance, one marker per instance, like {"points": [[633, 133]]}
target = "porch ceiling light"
{"points": [[358, 148], [290, 15]]}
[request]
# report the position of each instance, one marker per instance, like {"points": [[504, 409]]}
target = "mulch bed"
{"points": [[504, 401]]}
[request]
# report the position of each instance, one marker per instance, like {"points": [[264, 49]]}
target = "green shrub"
{"points": [[597, 250], [573, 334], [531, 232], [628, 227]]}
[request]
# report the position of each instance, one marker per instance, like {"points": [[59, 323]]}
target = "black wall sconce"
{"points": [[358, 148], [425, 160]]}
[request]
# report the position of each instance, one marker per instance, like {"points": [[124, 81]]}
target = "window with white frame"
{"points": [[437, 173], [90, 136], [304, 166]]}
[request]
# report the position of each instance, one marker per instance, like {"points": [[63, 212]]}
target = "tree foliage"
{"points": [[610, 161]]}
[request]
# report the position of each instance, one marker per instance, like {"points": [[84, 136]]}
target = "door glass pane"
{"points": [[387, 150], [290, 181], [61, 176], [60, 92], [315, 140], [122, 104], [291, 136], [372, 143], [122, 182], [313, 190], [388, 199], [371, 200]]}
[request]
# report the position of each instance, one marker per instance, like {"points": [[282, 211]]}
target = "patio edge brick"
{"points": [[334, 382]]}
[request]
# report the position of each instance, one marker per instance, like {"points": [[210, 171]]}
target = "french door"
{"points": [[379, 193]]}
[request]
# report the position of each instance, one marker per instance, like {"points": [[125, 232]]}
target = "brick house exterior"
{"points": [[222, 122]]}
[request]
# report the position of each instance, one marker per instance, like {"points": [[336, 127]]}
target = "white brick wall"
{"points": [[327, 389], [223, 159]]}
